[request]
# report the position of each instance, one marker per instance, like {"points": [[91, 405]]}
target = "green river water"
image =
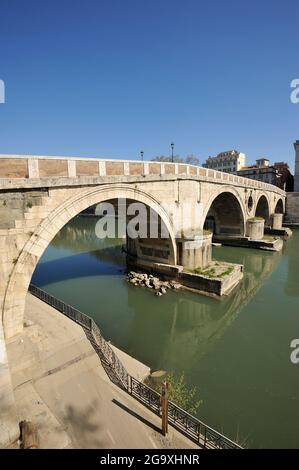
{"points": [[235, 350]]}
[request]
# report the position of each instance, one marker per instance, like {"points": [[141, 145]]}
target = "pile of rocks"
{"points": [[151, 282]]}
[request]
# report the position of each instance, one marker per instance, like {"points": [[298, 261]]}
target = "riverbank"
{"points": [[60, 384]]}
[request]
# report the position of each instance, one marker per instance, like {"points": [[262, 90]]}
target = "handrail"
{"points": [[184, 422]]}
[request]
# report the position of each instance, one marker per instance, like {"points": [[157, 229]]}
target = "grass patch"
{"points": [[212, 272], [226, 272]]}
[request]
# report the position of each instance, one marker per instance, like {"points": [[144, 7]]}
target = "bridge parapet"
{"points": [[21, 171]]}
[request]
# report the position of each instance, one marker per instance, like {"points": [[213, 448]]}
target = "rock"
{"points": [[28, 323], [166, 284], [175, 285], [151, 282]]}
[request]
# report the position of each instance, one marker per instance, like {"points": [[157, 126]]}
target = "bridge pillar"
{"points": [[277, 221], [195, 252], [255, 228]]}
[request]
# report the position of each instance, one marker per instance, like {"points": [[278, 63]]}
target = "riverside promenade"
{"points": [[59, 384]]}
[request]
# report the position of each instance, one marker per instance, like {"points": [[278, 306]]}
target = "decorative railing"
{"points": [[198, 431], [180, 419], [110, 356], [146, 395]]}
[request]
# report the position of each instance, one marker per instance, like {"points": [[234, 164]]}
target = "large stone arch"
{"points": [[63, 212], [262, 208], [228, 205]]}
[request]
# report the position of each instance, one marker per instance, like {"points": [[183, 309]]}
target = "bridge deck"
{"points": [[18, 171]]}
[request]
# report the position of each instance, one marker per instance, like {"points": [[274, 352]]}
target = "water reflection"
{"points": [[236, 349]]}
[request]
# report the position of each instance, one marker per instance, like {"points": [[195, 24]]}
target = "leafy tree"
{"points": [[180, 394]]}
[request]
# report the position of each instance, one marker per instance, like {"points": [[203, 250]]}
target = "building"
{"points": [[286, 177], [230, 161], [262, 171]]}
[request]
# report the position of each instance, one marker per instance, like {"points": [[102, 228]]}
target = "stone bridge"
{"points": [[39, 195]]}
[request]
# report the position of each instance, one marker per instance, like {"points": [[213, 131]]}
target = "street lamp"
{"points": [[172, 147], [141, 153]]}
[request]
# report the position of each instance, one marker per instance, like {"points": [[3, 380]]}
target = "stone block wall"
{"points": [[292, 208]]}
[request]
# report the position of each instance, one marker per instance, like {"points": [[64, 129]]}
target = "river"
{"points": [[236, 350]]}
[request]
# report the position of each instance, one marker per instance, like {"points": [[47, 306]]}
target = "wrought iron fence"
{"points": [[198, 431], [180, 419], [145, 394], [110, 356]]}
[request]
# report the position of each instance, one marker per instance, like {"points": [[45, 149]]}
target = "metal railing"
{"points": [[146, 395], [198, 431], [180, 419]]}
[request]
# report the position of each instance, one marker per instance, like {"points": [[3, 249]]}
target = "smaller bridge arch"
{"points": [[225, 214], [262, 209], [279, 207]]}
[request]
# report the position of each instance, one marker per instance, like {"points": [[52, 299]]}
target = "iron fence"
{"points": [[146, 395], [198, 431], [180, 419]]}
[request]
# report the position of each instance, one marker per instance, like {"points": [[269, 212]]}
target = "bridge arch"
{"points": [[262, 208], [15, 294], [279, 207], [225, 214]]}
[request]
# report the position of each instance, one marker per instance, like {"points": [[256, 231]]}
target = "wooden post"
{"points": [[164, 408], [29, 436]]}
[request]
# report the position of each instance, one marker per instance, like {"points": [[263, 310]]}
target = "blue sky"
{"points": [[111, 77]]}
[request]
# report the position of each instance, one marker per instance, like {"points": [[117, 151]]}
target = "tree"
{"points": [[180, 394], [192, 160], [189, 159], [165, 159]]}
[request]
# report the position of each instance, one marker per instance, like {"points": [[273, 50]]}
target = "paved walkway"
{"points": [[60, 384]]}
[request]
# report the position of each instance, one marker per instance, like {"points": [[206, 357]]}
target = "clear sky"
{"points": [[111, 77]]}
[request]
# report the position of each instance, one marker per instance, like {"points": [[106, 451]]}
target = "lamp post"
{"points": [[172, 147], [141, 154]]}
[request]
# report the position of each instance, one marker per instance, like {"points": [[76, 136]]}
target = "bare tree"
{"points": [[189, 159]]}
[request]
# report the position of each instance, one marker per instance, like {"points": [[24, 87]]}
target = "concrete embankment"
{"points": [[60, 385]]}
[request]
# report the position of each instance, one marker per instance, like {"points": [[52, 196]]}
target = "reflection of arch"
{"points": [[262, 209], [225, 215], [279, 207], [14, 299]]}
